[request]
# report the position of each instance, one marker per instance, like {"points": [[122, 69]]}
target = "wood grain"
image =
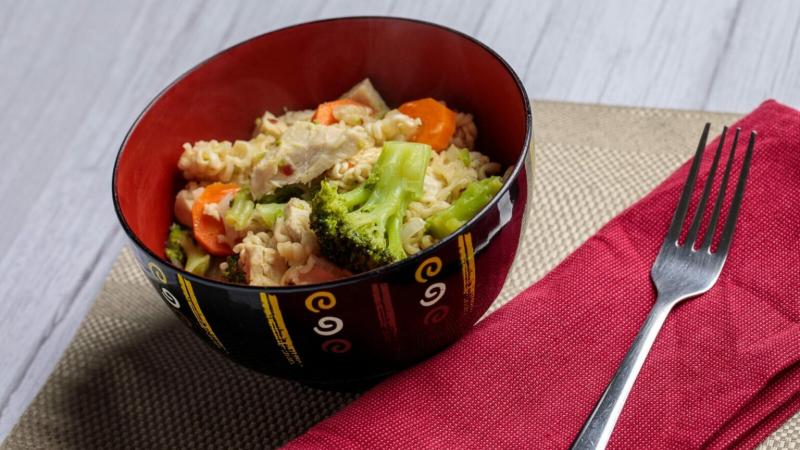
{"points": [[76, 74]]}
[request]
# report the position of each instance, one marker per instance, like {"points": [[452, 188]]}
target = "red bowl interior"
{"points": [[297, 68]]}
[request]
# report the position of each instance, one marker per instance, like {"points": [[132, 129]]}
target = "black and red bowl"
{"points": [[375, 322]]}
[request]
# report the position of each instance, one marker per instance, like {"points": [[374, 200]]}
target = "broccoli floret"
{"points": [[184, 252], [245, 213], [474, 197], [360, 229], [174, 247], [232, 271]]}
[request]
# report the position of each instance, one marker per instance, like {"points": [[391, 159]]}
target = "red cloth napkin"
{"points": [[724, 371]]}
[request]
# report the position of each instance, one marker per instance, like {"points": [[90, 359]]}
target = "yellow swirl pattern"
{"points": [[275, 320], [191, 299], [323, 300], [467, 270], [157, 272], [428, 269]]}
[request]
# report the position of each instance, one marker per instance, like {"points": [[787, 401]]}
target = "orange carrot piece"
{"points": [[324, 113], [438, 122], [206, 228]]}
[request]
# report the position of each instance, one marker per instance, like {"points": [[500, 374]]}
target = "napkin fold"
{"points": [[724, 371]]}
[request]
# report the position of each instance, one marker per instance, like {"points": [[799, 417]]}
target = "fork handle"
{"points": [[597, 429]]}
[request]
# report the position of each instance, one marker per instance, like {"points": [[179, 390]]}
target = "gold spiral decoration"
{"points": [[428, 269], [157, 272], [320, 300]]}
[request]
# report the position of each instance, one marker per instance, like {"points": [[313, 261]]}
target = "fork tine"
{"points": [[712, 226], [730, 222], [701, 206], [683, 204]]}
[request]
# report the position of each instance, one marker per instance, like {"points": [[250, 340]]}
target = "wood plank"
{"points": [[761, 60]]}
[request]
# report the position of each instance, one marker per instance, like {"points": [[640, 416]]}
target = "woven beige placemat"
{"points": [[134, 377]]}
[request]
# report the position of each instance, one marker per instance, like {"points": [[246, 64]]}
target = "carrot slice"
{"points": [[206, 228], [324, 113], [438, 122]]}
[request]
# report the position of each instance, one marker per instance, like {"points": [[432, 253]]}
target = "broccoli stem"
{"points": [[473, 199], [268, 213], [376, 217], [356, 197], [241, 210], [395, 242], [197, 261], [402, 169], [244, 212]]}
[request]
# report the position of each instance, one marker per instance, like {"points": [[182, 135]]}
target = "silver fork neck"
{"points": [[597, 430]]}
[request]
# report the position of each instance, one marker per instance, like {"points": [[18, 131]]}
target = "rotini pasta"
{"points": [[466, 132], [395, 126], [353, 171], [223, 161]]}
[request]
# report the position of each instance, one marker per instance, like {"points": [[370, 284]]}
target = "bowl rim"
{"points": [[359, 277]]}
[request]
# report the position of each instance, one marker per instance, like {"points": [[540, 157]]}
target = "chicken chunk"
{"points": [[365, 93], [184, 202], [306, 151], [295, 240]]}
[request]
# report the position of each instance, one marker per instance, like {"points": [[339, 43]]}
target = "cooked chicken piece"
{"points": [[184, 201], [269, 125], [292, 117], [353, 114], [365, 93], [212, 210], [296, 220], [295, 240], [306, 151]]}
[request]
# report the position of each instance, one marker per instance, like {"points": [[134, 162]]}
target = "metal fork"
{"points": [[681, 271]]}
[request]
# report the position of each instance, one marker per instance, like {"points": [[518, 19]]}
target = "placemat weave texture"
{"points": [[134, 377]]}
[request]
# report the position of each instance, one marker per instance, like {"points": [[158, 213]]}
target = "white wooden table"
{"points": [[74, 75]]}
